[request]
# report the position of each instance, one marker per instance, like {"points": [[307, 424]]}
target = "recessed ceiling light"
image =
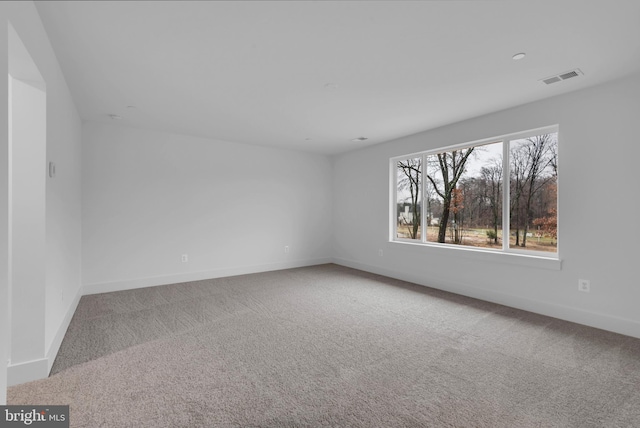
{"points": [[359, 139], [519, 56], [115, 117]]}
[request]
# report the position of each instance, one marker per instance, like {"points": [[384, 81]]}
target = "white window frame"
{"points": [[506, 253]]}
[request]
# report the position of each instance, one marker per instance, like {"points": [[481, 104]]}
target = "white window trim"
{"points": [[504, 255]]}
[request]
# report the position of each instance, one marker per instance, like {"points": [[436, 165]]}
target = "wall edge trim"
{"points": [[27, 371], [129, 284], [601, 321], [54, 347]]}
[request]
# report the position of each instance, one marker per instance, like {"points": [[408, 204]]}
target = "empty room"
{"points": [[319, 213]]}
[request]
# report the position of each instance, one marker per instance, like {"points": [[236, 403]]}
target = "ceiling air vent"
{"points": [[551, 80], [563, 76], [569, 75]]}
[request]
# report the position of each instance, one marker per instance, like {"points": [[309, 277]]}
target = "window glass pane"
{"points": [[409, 198], [534, 193], [464, 196]]}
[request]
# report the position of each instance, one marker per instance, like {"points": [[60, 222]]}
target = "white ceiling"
{"points": [[315, 75]]}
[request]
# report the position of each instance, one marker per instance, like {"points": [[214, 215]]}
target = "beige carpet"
{"points": [[328, 346]]}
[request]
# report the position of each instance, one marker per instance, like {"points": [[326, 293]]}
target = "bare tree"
{"points": [[457, 208], [450, 166], [432, 204], [492, 178], [410, 180], [529, 161]]}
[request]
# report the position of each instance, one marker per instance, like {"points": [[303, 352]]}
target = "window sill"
{"points": [[477, 254]]}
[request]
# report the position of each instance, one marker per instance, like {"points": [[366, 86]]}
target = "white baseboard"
{"points": [[567, 313], [130, 284], [40, 368], [62, 330], [27, 371]]}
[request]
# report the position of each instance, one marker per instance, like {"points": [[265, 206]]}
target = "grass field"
{"points": [[478, 238]]}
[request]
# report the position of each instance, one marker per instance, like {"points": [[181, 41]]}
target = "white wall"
{"points": [[64, 213], [598, 176], [27, 141], [62, 265], [4, 204], [150, 197]]}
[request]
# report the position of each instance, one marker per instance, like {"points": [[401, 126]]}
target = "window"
{"points": [[409, 200], [477, 194]]}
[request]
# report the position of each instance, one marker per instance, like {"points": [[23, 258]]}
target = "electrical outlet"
{"points": [[185, 258], [286, 249], [380, 252], [584, 285]]}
